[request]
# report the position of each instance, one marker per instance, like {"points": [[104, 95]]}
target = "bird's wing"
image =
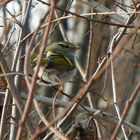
{"points": [[60, 62]]}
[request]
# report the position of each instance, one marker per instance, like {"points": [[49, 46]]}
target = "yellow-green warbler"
{"points": [[58, 64]]}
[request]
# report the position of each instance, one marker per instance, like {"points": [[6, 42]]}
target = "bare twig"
{"points": [[32, 86], [4, 3], [126, 110], [18, 64], [55, 131], [101, 8], [10, 81], [103, 115], [115, 97], [83, 16], [4, 113]]}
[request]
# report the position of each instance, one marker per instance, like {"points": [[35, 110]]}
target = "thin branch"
{"points": [[18, 63], [115, 97], [101, 8], [4, 113], [41, 115], [11, 85], [32, 87], [4, 3], [94, 20], [61, 28], [10, 81], [103, 115], [126, 110]]}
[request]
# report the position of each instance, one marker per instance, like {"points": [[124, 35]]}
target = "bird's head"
{"points": [[62, 47]]}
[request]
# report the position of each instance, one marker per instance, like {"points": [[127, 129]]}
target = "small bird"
{"points": [[58, 65]]}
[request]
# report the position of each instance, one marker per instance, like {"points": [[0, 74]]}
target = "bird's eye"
{"points": [[64, 46]]}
